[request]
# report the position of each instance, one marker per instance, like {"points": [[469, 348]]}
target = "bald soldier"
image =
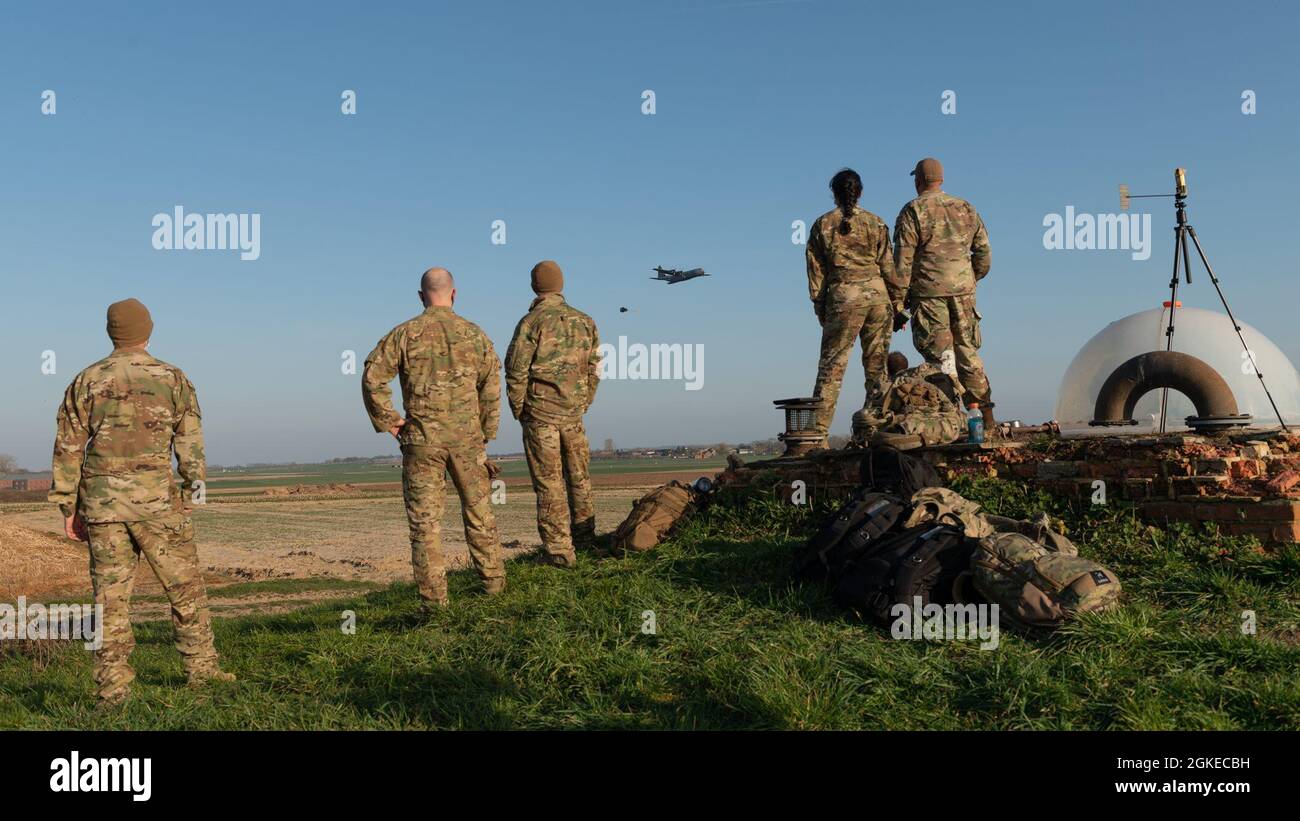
{"points": [[941, 250], [451, 392], [121, 421], [552, 369]]}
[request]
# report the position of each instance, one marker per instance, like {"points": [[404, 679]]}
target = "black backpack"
{"points": [[930, 561], [865, 517], [888, 469]]}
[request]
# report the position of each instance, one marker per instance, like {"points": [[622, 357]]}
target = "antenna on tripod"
{"points": [[1182, 231]]}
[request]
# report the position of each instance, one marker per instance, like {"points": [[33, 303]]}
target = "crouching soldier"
{"points": [[552, 368], [121, 420], [921, 406], [451, 391]]}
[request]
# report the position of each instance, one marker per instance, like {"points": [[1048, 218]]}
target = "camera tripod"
{"points": [[1183, 231]]}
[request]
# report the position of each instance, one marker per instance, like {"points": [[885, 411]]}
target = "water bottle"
{"points": [[974, 424]]}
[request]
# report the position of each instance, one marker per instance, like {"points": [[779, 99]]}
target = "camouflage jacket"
{"points": [[120, 421], [940, 246], [860, 259], [553, 362], [450, 377]]}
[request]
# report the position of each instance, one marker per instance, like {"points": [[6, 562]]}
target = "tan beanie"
{"points": [[547, 278], [129, 323]]}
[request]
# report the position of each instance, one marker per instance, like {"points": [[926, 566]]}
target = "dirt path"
{"points": [[359, 538]]}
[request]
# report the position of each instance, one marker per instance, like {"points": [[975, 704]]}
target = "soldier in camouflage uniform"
{"points": [[852, 285], [552, 368], [451, 392], [941, 250], [120, 422]]}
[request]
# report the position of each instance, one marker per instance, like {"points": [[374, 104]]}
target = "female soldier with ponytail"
{"points": [[854, 292]]}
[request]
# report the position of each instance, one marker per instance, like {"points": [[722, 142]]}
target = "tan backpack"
{"points": [[922, 403], [653, 516], [1036, 586]]}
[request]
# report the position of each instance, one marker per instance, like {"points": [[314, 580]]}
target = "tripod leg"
{"points": [[1179, 245], [1236, 326]]}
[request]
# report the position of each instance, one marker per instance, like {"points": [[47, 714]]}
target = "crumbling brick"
{"points": [[1058, 470], [1273, 510], [1247, 468], [1284, 481]]}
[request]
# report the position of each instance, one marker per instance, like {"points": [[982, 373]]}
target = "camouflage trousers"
{"points": [[843, 323], [558, 457], [167, 544], [424, 471], [946, 331]]}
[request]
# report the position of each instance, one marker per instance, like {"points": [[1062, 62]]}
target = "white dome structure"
{"points": [[1206, 335]]}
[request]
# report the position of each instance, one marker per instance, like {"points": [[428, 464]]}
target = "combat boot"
{"points": [[584, 534], [494, 587], [428, 608], [112, 699], [198, 679], [990, 424], [565, 561]]}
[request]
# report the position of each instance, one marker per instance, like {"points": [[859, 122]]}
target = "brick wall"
{"points": [[1246, 483]]}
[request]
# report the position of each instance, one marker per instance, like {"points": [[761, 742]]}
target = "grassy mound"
{"points": [[737, 644]]}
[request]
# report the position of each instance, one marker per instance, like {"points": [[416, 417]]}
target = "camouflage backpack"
{"points": [[921, 404], [1036, 586], [943, 506], [653, 516]]}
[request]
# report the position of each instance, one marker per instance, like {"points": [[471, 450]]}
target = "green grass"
{"points": [[277, 587], [739, 645]]}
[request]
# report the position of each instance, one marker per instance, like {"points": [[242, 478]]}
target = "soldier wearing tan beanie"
{"points": [[129, 323], [552, 369], [120, 424]]}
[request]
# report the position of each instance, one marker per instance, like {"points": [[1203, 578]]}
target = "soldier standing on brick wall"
{"points": [[941, 250], [120, 423], [451, 391], [853, 288]]}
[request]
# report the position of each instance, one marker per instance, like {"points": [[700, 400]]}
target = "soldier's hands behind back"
{"points": [[74, 527], [396, 430], [900, 320]]}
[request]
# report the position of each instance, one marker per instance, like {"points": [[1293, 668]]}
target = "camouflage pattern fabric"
{"points": [[167, 544], [922, 401], [424, 469], [552, 370], [947, 507], [845, 322], [553, 362], [119, 424], [947, 329], [940, 246], [1035, 586], [862, 258], [558, 457], [451, 391], [450, 377], [120, 421], [853, 287]]}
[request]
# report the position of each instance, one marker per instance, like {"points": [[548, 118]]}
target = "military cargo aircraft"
{"points": [[673, 276]]}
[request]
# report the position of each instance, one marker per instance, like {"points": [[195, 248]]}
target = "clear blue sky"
{"points": [[531, 113]]}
